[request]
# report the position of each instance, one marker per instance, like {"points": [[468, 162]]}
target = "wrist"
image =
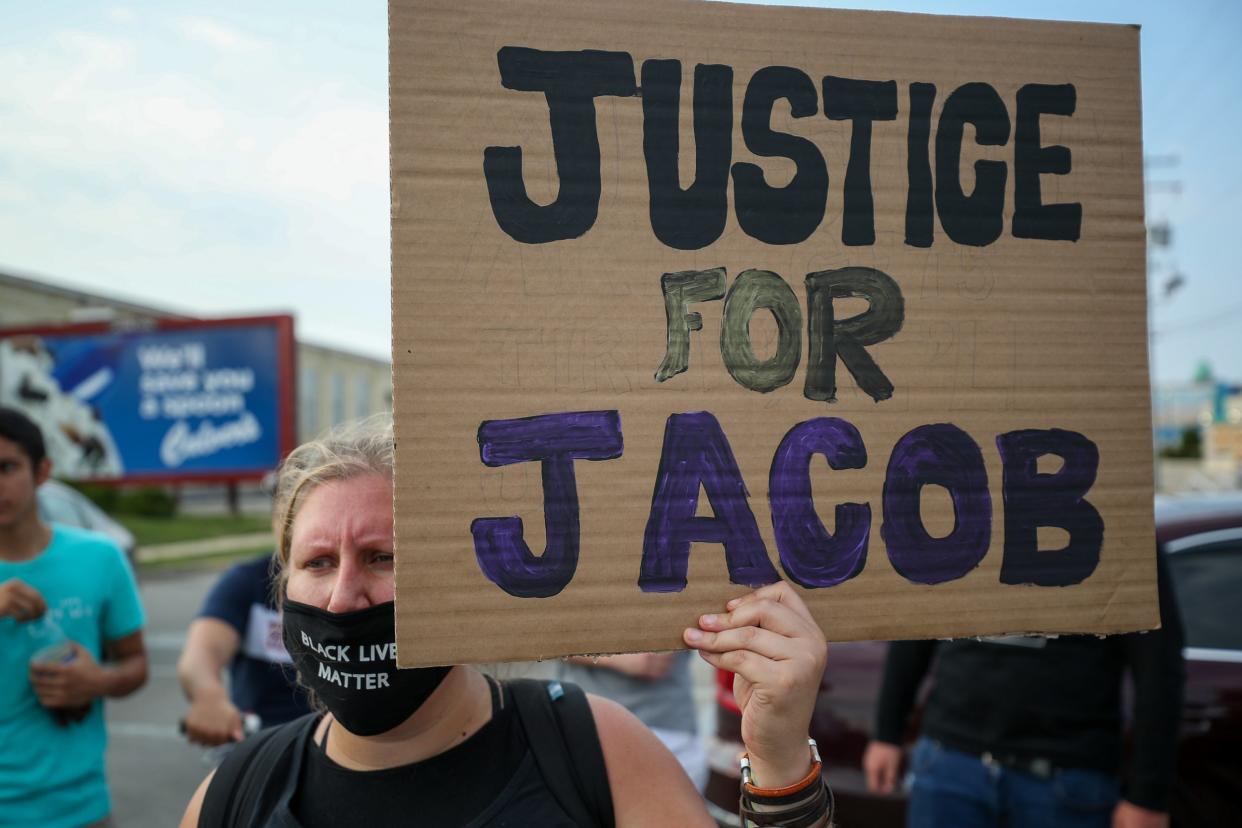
{"points": [[208, 693], [783, 769], [102, 682], [806, 801]]}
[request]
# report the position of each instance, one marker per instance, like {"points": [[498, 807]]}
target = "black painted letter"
{"points": [[789, 214], [861, 101], [695, 217], [826, 338], [571, 81], [1033, 500], [1033, 219], [920, 215], [976, 219]]}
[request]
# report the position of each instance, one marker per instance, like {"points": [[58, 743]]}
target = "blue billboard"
{"points": [[183, 400]]}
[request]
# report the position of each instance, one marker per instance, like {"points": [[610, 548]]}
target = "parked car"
{"points": [[59, 503], [1202, 539]]}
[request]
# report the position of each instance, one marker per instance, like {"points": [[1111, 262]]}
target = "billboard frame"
{"points": [[286, 392]]}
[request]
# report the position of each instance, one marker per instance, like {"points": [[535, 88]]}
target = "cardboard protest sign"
{"points": [[689, 297]]}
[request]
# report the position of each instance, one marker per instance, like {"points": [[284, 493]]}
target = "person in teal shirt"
{"points": [[70, 635]]}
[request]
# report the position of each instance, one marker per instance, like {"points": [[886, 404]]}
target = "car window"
{"points": [[1207, 582]]}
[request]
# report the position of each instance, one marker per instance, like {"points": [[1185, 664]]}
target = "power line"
{"points": [[1229, 314]]}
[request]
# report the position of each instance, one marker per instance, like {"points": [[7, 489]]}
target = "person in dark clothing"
{"points": [[238, 628], [449, 746], [1025, 731]]}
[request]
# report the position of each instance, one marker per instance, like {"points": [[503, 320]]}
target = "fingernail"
{"points": [[709, 620], [693, 636]]}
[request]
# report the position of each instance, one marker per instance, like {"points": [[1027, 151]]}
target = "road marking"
{"points": [[168, 641], [144, 730]]}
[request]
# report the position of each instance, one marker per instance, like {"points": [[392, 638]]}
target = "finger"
{"points": [[46, 671], [24, 607], [768, 614], [30, 598], [764, 642], [37, 604], [780, 592], [749, 665], [207, 738]]}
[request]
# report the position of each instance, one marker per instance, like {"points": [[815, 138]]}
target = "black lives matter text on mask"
{"points": [[382, 655], [694, 217]]}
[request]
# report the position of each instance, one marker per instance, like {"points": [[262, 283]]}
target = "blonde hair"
{"points": [[349, 450]]}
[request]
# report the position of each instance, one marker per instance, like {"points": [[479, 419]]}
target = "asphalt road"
{"points": [[152, 770]]}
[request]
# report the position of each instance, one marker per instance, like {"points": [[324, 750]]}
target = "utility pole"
{"points": [[1159, 290]]}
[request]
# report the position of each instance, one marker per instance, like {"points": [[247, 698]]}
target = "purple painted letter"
{"points": [[944, 455], [810, 555], [696, 453], [1033, 500], [556, 440]]}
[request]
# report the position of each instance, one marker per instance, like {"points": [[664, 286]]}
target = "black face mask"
{"points": [[349, 660]]}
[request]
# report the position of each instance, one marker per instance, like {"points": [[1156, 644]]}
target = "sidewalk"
{"points": [[202, 548]]}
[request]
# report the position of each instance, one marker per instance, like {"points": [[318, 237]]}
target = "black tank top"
{"points": [[488, 781]]}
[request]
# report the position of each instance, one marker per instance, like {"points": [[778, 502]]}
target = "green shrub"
{"points": [[147, 501], [105, 497]]}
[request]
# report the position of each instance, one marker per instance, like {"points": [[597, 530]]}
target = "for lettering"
{"points": [[850, 337], [757, 290], [681, 290]]}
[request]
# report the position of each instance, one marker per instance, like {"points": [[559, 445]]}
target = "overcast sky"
{"points": [[232, 158]]}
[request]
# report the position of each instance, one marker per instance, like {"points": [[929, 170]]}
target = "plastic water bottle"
{"points": [[52, 646]]}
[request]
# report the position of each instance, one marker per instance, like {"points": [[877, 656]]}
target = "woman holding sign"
{"points": [[449, 746]]}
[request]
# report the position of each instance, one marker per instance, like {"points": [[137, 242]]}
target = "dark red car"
{"points": [[1202, 539]]}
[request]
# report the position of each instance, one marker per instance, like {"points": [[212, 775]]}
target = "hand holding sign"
{"points": [[769, 639]]}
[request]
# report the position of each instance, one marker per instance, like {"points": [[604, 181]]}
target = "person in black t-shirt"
{"points": [[1027, 731], [238, 627], [439, 745]]}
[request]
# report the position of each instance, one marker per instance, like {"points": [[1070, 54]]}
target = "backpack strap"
{"points": [[560, 730], [254, 771]]}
